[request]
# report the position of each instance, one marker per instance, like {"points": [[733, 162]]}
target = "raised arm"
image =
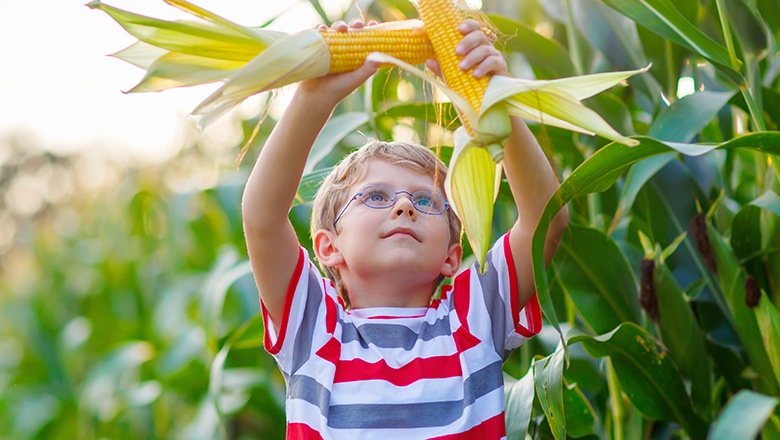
{"points": [[530, 174], [532, 181], [271, 241]]}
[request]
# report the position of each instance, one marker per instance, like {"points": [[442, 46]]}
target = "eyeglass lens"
{"points": [[382, 197]]}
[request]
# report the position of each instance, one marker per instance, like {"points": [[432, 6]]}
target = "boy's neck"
{"points": [[391, 292]]}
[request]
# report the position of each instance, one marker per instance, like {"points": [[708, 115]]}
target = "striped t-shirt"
{"points": [[411, 373]]}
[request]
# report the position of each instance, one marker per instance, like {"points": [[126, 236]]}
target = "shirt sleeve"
{"points": [[304, 322], [489, 304]]}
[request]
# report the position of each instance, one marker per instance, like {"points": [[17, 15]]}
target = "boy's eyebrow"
{"points": [[414, 188]]}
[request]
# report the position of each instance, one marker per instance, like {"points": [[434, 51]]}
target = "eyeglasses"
{"points": [[380, 197]]}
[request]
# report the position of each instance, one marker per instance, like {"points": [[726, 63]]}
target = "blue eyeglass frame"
{"points": [[393, 200]]}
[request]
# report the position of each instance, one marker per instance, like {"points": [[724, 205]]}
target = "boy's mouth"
{"points": [[402, 231]]}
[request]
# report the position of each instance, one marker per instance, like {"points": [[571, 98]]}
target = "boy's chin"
{"points": [[409, 264]]}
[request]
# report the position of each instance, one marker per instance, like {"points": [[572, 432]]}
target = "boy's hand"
{"points": [[477, 51], [331, 89]]}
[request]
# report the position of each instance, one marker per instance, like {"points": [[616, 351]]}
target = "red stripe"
{"points": [[302, 431], [533, 312], [330, 351], [330, 314], [286, 313], [444, 290], [510, 263], [460, 297], [490, 429], [464, 340], [436, 367]]}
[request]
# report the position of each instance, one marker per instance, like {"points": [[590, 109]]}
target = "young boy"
{"points": [[367, 354]]}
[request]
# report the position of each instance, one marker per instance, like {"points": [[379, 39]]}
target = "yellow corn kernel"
{"points": [[349, 49], [441, 19]]}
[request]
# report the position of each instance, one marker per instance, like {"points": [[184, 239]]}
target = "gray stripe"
{"points": [[494, 304], [483, 382], [308, 389], [393, 335], [416, 415], [304, 333]]}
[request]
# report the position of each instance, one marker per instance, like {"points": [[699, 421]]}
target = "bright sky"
{"points": [[58, 87]]}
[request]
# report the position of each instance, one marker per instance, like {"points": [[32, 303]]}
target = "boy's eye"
{"points": [[376, 196], [423, 200]]}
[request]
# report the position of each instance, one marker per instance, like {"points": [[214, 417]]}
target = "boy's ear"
{"points": [[325, 248], [452, 263]]}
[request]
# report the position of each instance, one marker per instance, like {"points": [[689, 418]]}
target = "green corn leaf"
{"points": [[743, 319], [443, 113], [679, 123], [519, 405], [769, 325], [309, 185], [603, 289], [669, 250], [548, 377], [682, 335], [580, 416], [751, 228], [688, 116], [591, 177], [647, 374], [332, 133], [743, 416], [542, 53], [661, 17]]}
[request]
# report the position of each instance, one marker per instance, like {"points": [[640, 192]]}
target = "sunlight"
{"points": [[685, 86]]}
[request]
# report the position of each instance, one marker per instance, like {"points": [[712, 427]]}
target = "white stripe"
{"points": [[398, 357], [383, 392]]}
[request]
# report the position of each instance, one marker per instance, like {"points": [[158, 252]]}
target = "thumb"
{"points": [[368, 68]]}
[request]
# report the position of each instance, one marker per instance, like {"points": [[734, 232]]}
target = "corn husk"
{"points": [[187, 53]]}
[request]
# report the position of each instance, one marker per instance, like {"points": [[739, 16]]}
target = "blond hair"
{"points": [[332, 195]]}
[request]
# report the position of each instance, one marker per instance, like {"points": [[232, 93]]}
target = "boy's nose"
{"points": [[403, 205]]}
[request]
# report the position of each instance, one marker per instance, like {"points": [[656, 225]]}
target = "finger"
{"points": [[492, 65], [356, 23], [434, 66], [469, 25], [476, 56], [340, 26], [470, 41], [320, 27], [373, 23], [364, 72]]}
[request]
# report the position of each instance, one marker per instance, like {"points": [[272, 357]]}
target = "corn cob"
{"points": [[348, 50], [442, 19]]}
